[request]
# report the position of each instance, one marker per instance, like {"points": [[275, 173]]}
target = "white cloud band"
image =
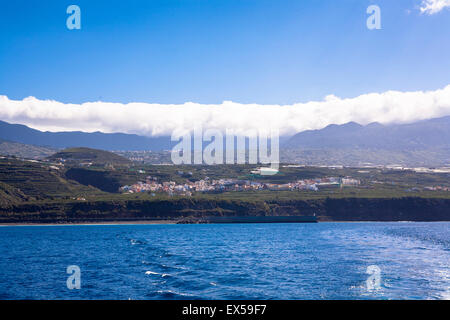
{"points": [[434, 6], [156, 119]]}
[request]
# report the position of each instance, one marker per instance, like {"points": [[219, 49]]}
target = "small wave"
{"points": [[151, 272], [172, 294], [163, 275]]}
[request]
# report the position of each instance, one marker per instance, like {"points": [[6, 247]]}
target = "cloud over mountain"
{"points": [[162, 119]]}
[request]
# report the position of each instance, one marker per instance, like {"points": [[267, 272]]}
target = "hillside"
{"points": [[26, 151], [28, 180], [87, 155], [363, 156], [40, 191], [10, 195], [105, 180]]}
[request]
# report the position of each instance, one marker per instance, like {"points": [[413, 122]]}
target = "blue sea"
{"points": [[230, 261]]}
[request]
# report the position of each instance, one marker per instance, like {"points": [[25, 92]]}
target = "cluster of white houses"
{"points": [[224, 185]]}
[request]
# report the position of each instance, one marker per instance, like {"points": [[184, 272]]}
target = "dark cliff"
{"points": [[347, 209]]}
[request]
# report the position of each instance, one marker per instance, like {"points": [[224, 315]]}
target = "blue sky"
{"points": [[209, 51]]}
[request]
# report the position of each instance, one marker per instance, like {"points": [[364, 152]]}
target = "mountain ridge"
{"points": [[423, 134], [422, 143], [96, 140]]}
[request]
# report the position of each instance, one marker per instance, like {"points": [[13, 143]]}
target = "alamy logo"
{"points": [[374, 20], [373, 282], [74, 280], [228, 149], [74, 20]]}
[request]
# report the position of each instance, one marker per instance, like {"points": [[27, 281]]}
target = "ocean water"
{"points": [[233, 261]]}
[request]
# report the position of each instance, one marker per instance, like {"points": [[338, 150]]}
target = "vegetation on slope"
{"points": [[39, 181], [10, 195], [94, 156], [27, 151], [105, 180]]}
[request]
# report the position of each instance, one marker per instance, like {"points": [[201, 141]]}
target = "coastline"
{"points": [[169, 222], [85, 223]]}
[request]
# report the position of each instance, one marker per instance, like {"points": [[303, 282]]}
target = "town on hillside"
{"points": [[152, 184]]}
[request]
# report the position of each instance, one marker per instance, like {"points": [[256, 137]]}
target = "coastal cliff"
{"points": [[346, 209]]}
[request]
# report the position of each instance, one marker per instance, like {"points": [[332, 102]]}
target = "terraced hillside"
{"points": [[10, 195], [36, 180]]}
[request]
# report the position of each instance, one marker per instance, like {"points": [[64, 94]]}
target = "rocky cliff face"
{"points": [[348, 209]]}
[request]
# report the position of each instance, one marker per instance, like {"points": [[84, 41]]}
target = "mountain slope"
{"points": [[94, 156], [35, 180], [426, 134], [96, 140], [10, 195], [423, 143], [27, 151]]}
